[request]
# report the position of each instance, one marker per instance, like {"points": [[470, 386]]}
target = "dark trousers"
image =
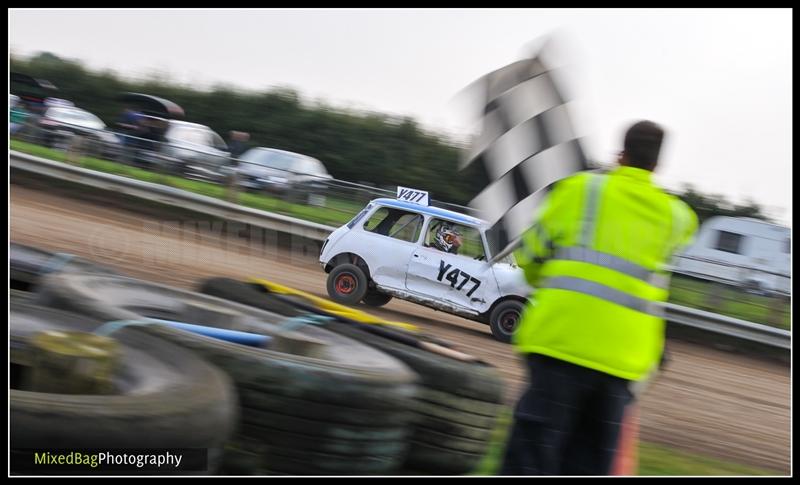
{"points": [[567, 422]]}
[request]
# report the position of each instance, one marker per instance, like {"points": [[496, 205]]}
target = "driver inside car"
{"points": [[447, 239]]}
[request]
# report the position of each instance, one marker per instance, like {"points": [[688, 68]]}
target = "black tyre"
{"points": [[455, 443], [20, 295], [321, 429], [477, 381], [456, 407], [289, 407], [431, 410], [280, 391], [305, 442], [452, 401], [458, 402], [451, 428], [374, 298], [245, 293], [165, 396], [426, 457], [504, 319], [347, 284], [28, 264]]}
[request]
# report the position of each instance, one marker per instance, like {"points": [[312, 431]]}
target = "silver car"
{"points": [[282, 172], [202, 152], [60, 123]]}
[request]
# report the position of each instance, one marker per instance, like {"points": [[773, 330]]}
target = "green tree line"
{"points": [[357, 146], [709, 205]]}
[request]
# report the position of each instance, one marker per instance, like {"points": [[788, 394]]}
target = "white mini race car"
{"points": [[407, 249]]}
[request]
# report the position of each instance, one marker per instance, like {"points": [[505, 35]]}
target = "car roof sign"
{"points": [[412, 195]]}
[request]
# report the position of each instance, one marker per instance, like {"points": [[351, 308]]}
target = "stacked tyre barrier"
{"points": [[163, 396], [313, 403], [455, 410], [28, 264], [326, 396], [457, 404]]}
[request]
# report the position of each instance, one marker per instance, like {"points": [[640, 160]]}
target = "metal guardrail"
{"points": [[682, 256], [691, 317], [211, 165], [170, 196], [733, 327]]}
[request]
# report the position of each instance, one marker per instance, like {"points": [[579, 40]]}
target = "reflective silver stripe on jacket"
{"points": [[606, 293], [590, 209], [679, 223], [606, 260]]}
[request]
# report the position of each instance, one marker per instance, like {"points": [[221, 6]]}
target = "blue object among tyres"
{"points": [[235, 336]]}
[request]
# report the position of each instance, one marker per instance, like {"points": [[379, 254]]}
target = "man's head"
{"points": [[242, 136], [642, 145]]}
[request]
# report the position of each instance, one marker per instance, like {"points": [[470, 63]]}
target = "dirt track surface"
{"points": [[708, 401]]}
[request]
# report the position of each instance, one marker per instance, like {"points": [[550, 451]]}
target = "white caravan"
{"points": [[741, 251]]}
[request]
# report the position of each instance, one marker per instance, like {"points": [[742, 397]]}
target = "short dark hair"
{"points": [[643, 144]]}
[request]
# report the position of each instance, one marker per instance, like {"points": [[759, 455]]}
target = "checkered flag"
{"points": [[526, 143]]}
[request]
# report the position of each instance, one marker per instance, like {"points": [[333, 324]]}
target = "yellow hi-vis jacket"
{"points": [[596, 255]]}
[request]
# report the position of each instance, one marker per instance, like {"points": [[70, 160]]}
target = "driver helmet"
{"points": [[447, 238]]}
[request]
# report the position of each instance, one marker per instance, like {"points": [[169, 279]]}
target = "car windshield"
{"points": [[217, 142], [311, 166], [74, 116], [196, 135], [291, 162], [188, 134]]}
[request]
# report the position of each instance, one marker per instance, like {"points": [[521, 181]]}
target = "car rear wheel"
{"points": [[505, 319], [347, 284]]}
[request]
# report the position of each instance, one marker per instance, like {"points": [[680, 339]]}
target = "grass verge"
{"points": [[654, 460]]}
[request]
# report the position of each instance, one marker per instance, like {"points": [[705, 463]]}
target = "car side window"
{"points": [[395, 223], [455, 238], [217, 141]]}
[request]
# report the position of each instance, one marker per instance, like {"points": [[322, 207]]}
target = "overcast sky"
{"points": [[718, 80]]}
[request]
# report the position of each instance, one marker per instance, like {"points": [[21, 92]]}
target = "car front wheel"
{"points": [[504, 319], [347, 284]]}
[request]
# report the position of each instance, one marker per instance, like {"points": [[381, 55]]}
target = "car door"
{"points": [[454, 271], [386, 241], [426, 268]]}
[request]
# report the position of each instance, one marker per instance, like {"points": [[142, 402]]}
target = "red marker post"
{"points": [[626, 461]]}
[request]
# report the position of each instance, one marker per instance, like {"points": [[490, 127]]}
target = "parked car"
{"points": [[29, 89], [17, 114], [158, 138], [282, 172], [395, 248], [202, 153], [61, 122]]}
